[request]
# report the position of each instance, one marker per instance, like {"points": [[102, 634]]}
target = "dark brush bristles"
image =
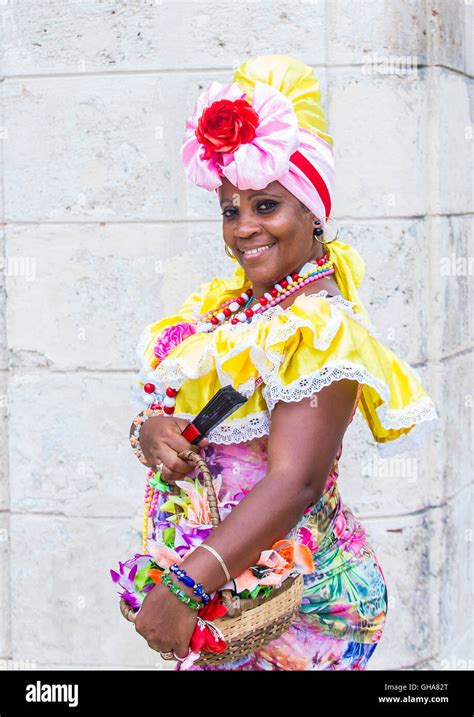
{"points": [[225, 402]]}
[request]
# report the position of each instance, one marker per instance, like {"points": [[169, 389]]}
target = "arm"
{"points": [[302, 446]]}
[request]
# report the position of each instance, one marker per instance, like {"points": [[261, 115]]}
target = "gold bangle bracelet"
{"points": [[216, 554]]}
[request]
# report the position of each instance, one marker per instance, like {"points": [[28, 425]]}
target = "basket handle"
{"points": [[231, 601], [189, 455]]}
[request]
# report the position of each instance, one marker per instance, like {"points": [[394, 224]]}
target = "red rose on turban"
{"points": [[225, 125]]}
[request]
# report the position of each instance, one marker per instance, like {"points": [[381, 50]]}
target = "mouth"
{"points": [[257, 251]]}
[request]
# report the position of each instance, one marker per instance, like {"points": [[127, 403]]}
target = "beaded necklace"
{"points": [[237, 310], [310, 271]]}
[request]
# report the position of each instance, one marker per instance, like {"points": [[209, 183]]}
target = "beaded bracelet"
{"points": [[139, 420], [166, 580], [182, 575]]}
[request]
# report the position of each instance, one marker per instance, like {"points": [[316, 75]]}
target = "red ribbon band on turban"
{"points": [[314, 177]]}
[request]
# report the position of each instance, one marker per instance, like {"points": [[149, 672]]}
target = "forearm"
{"points": [[266, 514]]}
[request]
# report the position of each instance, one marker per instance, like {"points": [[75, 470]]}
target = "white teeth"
{"points": [[259, 250]]}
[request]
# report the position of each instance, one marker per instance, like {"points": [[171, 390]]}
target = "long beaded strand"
{"points": [[152, 490]]}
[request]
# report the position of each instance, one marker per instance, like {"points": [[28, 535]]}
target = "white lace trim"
{"points": [[409, 441], [421, 415], [241, 430], [311, 383], [173, 372]]}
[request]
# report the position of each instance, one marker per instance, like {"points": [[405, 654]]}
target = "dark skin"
{"points": [[272, 215], [297, 469]]}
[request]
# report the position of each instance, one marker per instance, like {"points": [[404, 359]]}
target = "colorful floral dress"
{"points": [[297, 351]]}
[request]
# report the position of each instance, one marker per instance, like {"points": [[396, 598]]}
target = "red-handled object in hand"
{"points": [[225, 402]]}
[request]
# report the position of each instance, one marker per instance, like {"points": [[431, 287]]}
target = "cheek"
{"points": [[290, 232], [284, 224], [228, 234]]}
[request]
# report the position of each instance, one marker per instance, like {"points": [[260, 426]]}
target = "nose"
{"points": [[246, 225]]}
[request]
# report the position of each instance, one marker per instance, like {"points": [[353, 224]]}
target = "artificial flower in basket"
{"points": [[140, 574]]}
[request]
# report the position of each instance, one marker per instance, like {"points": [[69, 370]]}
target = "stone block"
{"points": [[375, 486], [69, 452], [451, 133], [450, 34], [381, 147], [398, 302], [155, 35], [61, 579], [91, 290], [457, 582], [5, 586], [373, 31], [411, 552]]}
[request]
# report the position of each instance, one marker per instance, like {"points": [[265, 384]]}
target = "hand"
{"points": [[161, 441], [165, 622]]}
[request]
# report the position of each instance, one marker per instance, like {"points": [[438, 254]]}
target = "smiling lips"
{"points": [[257, 251]]}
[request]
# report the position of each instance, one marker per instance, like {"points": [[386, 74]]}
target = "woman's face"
{"points": [[270, 217]]}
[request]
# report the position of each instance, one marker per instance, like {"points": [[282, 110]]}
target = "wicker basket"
{"points": [[249, 623]]}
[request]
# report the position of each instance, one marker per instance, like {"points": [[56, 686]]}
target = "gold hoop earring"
{"points": [[317, 232], [229, 253]]}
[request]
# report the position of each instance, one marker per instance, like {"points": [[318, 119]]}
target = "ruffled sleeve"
{"points": [[297, 351], [323, 340]]}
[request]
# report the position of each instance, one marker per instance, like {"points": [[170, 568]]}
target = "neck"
{"points": [[260, 289]]}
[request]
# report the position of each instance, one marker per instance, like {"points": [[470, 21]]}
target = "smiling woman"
{"points": [[270, 233], [289, 331]]}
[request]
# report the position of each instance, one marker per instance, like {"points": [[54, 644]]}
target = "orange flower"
{"points": [[295, 553], [155, 575], [286, 551]]}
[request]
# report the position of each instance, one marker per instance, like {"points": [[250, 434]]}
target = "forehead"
{"points": [[227, 190]]}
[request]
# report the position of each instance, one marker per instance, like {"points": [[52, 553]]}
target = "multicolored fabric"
{"points": [[344, 606]]}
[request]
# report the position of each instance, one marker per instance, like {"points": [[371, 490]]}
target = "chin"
{"points": [[262, 275]]}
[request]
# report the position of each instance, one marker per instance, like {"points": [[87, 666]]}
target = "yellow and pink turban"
{"points": [[267, 125]]}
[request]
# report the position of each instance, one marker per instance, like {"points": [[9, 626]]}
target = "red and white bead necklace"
{"points": [[309, 272]]}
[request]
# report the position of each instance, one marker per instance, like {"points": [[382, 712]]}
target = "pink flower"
{"points": [[340, 525], [305, 536], [349, 537], [284, 557], [262, 156], [171, 337]]}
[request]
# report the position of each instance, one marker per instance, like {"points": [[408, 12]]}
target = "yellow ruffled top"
{"points": [[297, 351]]}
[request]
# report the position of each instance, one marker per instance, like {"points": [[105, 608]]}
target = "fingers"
{"points": [[181, 653], [165, 451], [180, 424], [174, 468]]}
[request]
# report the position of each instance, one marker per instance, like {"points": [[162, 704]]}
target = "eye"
{"points": [[228, 209], [267, 202]]}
